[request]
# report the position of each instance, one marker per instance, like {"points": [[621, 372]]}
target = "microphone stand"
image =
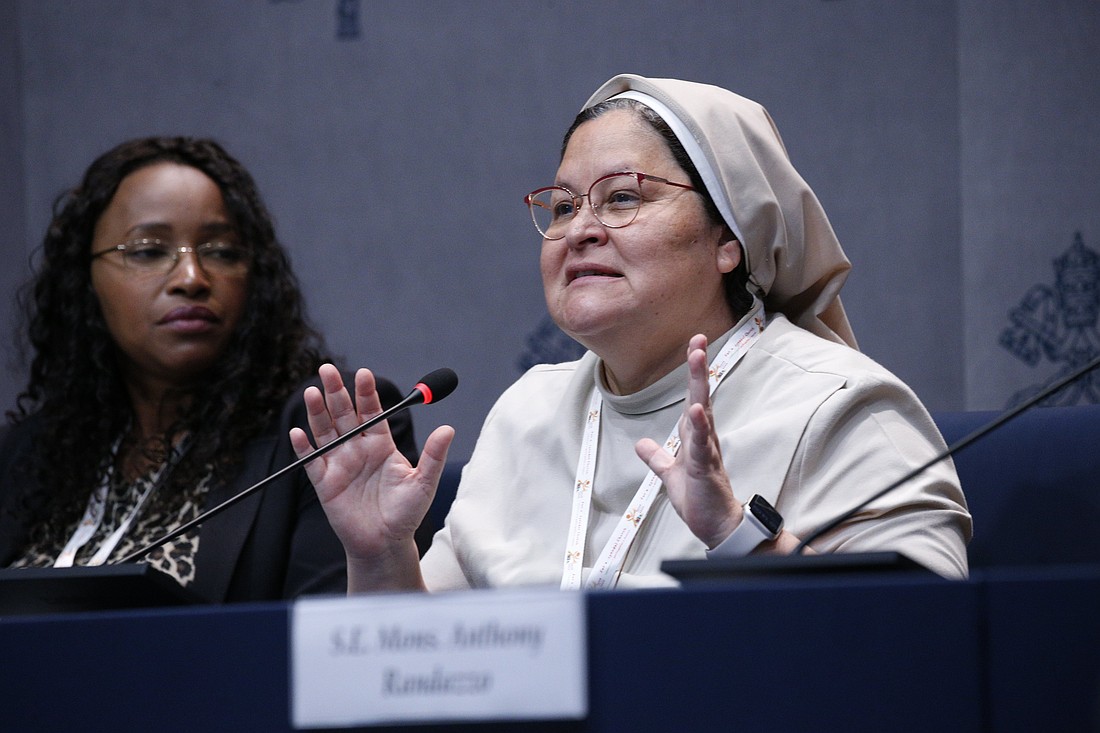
{"points": [[414, 397], [951, 450], [796, 562]]}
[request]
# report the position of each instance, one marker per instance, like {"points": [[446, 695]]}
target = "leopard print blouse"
{"points": [[174, 558]]}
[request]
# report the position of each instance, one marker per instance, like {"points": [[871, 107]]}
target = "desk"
{"points": [[1003, 651]]}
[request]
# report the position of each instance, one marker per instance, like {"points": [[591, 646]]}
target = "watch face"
{"points": [[766, 513]]}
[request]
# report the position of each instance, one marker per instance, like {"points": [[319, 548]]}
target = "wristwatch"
{"points": [[761, 523]]}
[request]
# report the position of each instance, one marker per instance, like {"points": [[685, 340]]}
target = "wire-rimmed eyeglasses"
{"points": [[155, 256], [614, 198]]}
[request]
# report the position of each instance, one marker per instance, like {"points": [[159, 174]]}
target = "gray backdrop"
{"points": [[953, 143]]}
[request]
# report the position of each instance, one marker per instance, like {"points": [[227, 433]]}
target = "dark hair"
{"points": [[76, 390], [735, 282]]}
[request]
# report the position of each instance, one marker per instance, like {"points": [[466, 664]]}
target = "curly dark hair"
{"points": [[76, 390], [736, 282]]}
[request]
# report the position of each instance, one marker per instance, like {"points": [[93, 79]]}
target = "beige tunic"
{"points": [[813, 426]]}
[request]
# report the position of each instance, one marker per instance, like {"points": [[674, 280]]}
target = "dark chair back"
{"points": [[1032, 485]]}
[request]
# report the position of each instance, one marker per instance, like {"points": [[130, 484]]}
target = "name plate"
{"points": [[451, 657]]}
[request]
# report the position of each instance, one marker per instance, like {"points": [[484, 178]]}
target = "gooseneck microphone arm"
{"points": [[432, 388], [957, 446]]}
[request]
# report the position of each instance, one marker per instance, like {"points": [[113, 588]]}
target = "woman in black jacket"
{"points": [[169, 351]]}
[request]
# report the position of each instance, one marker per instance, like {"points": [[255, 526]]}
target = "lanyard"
{"points": [[97, 503], [609, 564]]}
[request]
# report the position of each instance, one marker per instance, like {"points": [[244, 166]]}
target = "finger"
{"points": [[698, 341], [698, 371], [318, 417], [337, 401], [433, 459], [299, 441], [703, 451], [697, 418], [324, 432], [367, 402], [657, 458]]}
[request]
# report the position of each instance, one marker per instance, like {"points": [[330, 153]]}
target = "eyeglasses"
{"points": [[155, 256], [614, 198]]}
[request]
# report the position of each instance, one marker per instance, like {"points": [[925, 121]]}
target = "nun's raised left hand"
{"points": [[695, 478]]}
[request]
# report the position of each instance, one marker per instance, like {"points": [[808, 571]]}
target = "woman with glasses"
{"points": [[722, 408], [169, 350]]}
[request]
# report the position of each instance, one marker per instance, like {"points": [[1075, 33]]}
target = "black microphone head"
{"points": [[437, 385]]}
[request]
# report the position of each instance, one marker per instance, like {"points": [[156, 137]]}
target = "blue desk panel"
{"points": [[896, 653], [1043, 631]]}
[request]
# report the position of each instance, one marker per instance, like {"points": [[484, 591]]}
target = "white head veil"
{"points": [[794, 260]]}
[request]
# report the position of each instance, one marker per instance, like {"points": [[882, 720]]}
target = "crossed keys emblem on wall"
{"points": [[1058, 323]]}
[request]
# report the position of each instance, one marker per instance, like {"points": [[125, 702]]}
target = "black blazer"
{"points": [[275, 544]]}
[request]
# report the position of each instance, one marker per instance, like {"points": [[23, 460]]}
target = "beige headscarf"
{"points": [[793, 256]]}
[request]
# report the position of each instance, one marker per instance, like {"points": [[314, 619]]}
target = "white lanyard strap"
{"points": [[93, 514], [89, 523], [582, 495], [605, 571], [111, 542]]}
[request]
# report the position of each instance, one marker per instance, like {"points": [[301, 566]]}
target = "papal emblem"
{"points": [[1057, 323]]}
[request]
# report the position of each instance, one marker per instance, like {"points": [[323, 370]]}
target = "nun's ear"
{"points": [[729, 253]]}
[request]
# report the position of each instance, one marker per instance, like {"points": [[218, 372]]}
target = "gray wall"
{"points": [[953, 144], [13, 231], [1030, 179]]}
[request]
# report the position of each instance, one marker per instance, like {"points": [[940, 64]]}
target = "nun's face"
{"points": [[648, 286]]}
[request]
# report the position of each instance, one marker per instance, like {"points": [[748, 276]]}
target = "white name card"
{"points": [[465, 656]]}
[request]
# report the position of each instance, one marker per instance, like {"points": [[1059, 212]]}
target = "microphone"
{"points": [[951, 450], [431, 388]]}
